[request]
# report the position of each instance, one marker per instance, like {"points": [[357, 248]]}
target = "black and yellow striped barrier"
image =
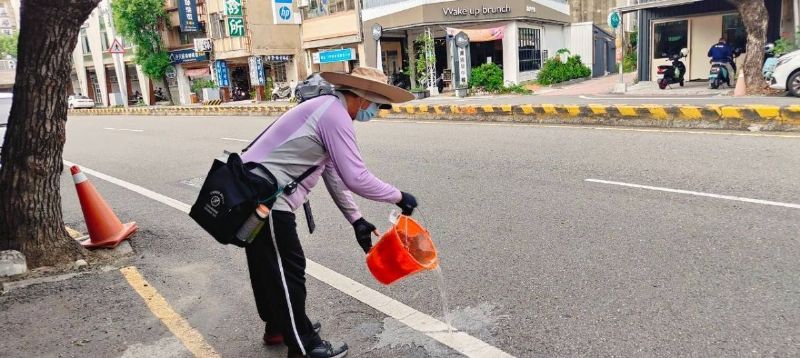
{"points": [[768, 117]]}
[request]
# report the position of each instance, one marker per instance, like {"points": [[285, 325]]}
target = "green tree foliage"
{"points": [[8, 45], [556, 71], [423, 46], [139, 21]]}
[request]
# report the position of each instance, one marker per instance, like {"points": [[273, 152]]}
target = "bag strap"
{"points": [[291, 187], [259, 136]]}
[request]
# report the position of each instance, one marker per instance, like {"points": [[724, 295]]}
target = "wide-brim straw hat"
{"points": [[369, 83]]}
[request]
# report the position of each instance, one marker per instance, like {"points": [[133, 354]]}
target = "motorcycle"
{"points": [[239, 94], [281, 91], [159, 94], [669, 74], [719, 72], [400, 80]]}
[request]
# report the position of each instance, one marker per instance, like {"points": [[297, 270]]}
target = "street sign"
{"points": [[187, 16], [614, 19], [116, 47], [233, 7], [186, 55], [257, 77]]}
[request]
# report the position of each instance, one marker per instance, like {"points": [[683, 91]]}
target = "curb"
{"points": [[743, 117]]}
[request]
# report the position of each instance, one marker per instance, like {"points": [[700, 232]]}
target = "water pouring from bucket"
{"points": [[405, 249]]}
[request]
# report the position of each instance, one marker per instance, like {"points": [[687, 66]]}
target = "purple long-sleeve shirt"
{"points": [[319, 132]]}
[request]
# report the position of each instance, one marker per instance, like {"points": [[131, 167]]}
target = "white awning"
{"points": [[653, 4]]}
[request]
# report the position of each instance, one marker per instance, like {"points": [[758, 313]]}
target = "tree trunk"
{"points": [[30, 199], [166, 90], [754, 16]]}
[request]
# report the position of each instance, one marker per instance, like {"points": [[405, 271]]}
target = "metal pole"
{"points": [[621, 43]]}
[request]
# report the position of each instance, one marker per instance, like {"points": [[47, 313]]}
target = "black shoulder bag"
{"points": [[232, 191]]}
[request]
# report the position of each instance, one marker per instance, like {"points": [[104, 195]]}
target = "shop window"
{"points": [[84, 42], [279, 72], [530, 54], [217, 26], [733, 31], [669, 38], [187, 38], [317, 8]]}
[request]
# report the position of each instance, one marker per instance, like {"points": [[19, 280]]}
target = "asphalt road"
{"points": [[537, 260]]}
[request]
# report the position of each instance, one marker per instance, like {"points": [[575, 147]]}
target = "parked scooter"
{"points": [[770, 61], [281, 90], [238, 94], [159, 94], [669, 74], [719, 72]]}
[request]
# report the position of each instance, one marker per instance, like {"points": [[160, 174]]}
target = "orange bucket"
{"points": [[402, 251]]}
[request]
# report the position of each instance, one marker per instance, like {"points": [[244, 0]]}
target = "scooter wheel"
{"points": [[715, 83], [662, 84], [681, 83]]}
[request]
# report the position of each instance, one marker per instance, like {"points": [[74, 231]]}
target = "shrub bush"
{"points": [[556, 71], [488, 76]]}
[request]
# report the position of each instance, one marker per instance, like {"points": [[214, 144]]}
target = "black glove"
{"points": [[408, 203], [364, 232]]}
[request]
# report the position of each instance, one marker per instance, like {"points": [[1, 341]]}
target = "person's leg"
{"points": [[287, 265], [731, 72], [263, 286]]}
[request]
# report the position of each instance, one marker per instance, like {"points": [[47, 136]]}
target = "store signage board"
{"points": [[203, 45], [614, 19], [235, 27], [185, 56], [187, 15], [256, 70], [221, 70], [341, 55], [476, 11], [282, 12]]}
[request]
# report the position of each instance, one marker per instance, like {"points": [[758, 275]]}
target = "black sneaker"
{"points": [[273, 339], [324, 349]]}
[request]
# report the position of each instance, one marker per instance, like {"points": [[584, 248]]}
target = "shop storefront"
{"points": [[696, 25], [517, 35], [189, 66]]}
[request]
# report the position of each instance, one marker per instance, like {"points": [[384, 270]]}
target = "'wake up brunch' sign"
{"points": [[476, 11]]}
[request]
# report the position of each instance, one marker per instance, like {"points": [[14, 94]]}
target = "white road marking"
{"points": [[425, 324], [564, 126], [236, 140], [124, 129], [697, 193], [650, 98]]}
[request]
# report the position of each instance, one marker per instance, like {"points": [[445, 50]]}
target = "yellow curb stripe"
{"points": [[438, 109], [574, 110], [384, 112], [688, 112], [597, 108], [423, 108], [409, 109], [527, 109], [506, 108], [190, 337], [549, 109], [626, 111], [730, 112], [658, 112], [488, 108], [766, 112]]}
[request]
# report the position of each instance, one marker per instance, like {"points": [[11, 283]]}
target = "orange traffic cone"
{"points": [[740, 89], [105, 229]]}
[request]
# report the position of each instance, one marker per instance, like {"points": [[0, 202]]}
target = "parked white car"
{"points": [[786, 75], [77, 101]]}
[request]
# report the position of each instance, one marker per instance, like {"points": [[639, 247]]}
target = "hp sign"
{"points": [[285, 13]]}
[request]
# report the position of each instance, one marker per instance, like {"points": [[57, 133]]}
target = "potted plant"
{"points": [[462, 91], [420, 92], [204, 87]]}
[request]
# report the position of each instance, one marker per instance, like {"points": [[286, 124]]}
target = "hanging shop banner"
{"points": [[186, 55], [282, 12], [203, 45], [221, 71], [187, 13], [257, 77], [236, 26], [481, 35], [233, 8]]}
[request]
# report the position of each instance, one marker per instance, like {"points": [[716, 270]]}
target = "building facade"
{"points": [[96, 73], [332, 35], [667, 26], [518, 35]]}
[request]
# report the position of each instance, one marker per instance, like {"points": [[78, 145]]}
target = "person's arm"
{"points": [[340, 194], [338, 136], [709, 51]]}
